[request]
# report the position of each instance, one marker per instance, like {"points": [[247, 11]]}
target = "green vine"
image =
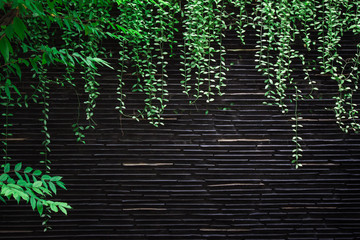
{"points": [[147, 28], [279, 25], [204, 24], [69, 35]]}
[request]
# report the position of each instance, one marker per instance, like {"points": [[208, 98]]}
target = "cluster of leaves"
{"points": [[145, 36], [241, 17], [335, 18], [32, 186], [202, 50], [277, 26], [37, 35], [281, 24], [29, 39]]}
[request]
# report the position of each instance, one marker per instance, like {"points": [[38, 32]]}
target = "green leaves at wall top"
{"points": [[37, 35]]}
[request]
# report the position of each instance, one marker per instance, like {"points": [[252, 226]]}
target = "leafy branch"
{"points": [[32, 186]]}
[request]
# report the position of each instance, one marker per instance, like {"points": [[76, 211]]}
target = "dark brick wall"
{"points": [[221, 175]]}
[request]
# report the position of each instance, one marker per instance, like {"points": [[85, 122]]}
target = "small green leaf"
{"points": [[27, 178], [7, 168], [7, 88], [22, 183], [18, 167], [28, 169], [19, 27], [3, 177], [53, 207], [33, 203], [52, 187], [14, 87], [37, 184], [61, 184], [45, 177], [37, 172], [40, 207], [17, 70], [63, 210], [5, 48], [24, 196], [56, 178], [19, 176]]}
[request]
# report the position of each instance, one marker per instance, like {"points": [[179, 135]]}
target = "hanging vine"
{"points": [[38, 35], [204, 25], [279, 24], [147, 30], [241, 17]]}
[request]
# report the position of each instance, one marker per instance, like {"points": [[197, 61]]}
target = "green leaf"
{"points": [[7, 168], [44, 184], [24, 196], [5, 48], [87, 30], [22, 183], [19, 176], [16, 196], [18, 72], [19, 28], [27, 178], [45, 177], [38, 191], [28, 169], [37, 172], [52, 187], [61, 184], [10, 180], [56, 178], [37, 184], [18, 167], [53, 207], [3, 200], [40, 207], [14, 87], [33, 203], [99, 61], [15, 186], [63, 210], [3, 177]]}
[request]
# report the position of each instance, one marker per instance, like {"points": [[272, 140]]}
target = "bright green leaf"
{"points": [[18, 167], [7, 168], [52, 187], [40, 207], [37, 172], [33, 203]]}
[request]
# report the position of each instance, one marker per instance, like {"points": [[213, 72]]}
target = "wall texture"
{"points": [[221, 175]]}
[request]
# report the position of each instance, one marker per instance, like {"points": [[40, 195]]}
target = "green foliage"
{"points": [[147, 29], [204, 24], [38, 35], [32, 186], [27, 41], [279, 24], [334, 19]]}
